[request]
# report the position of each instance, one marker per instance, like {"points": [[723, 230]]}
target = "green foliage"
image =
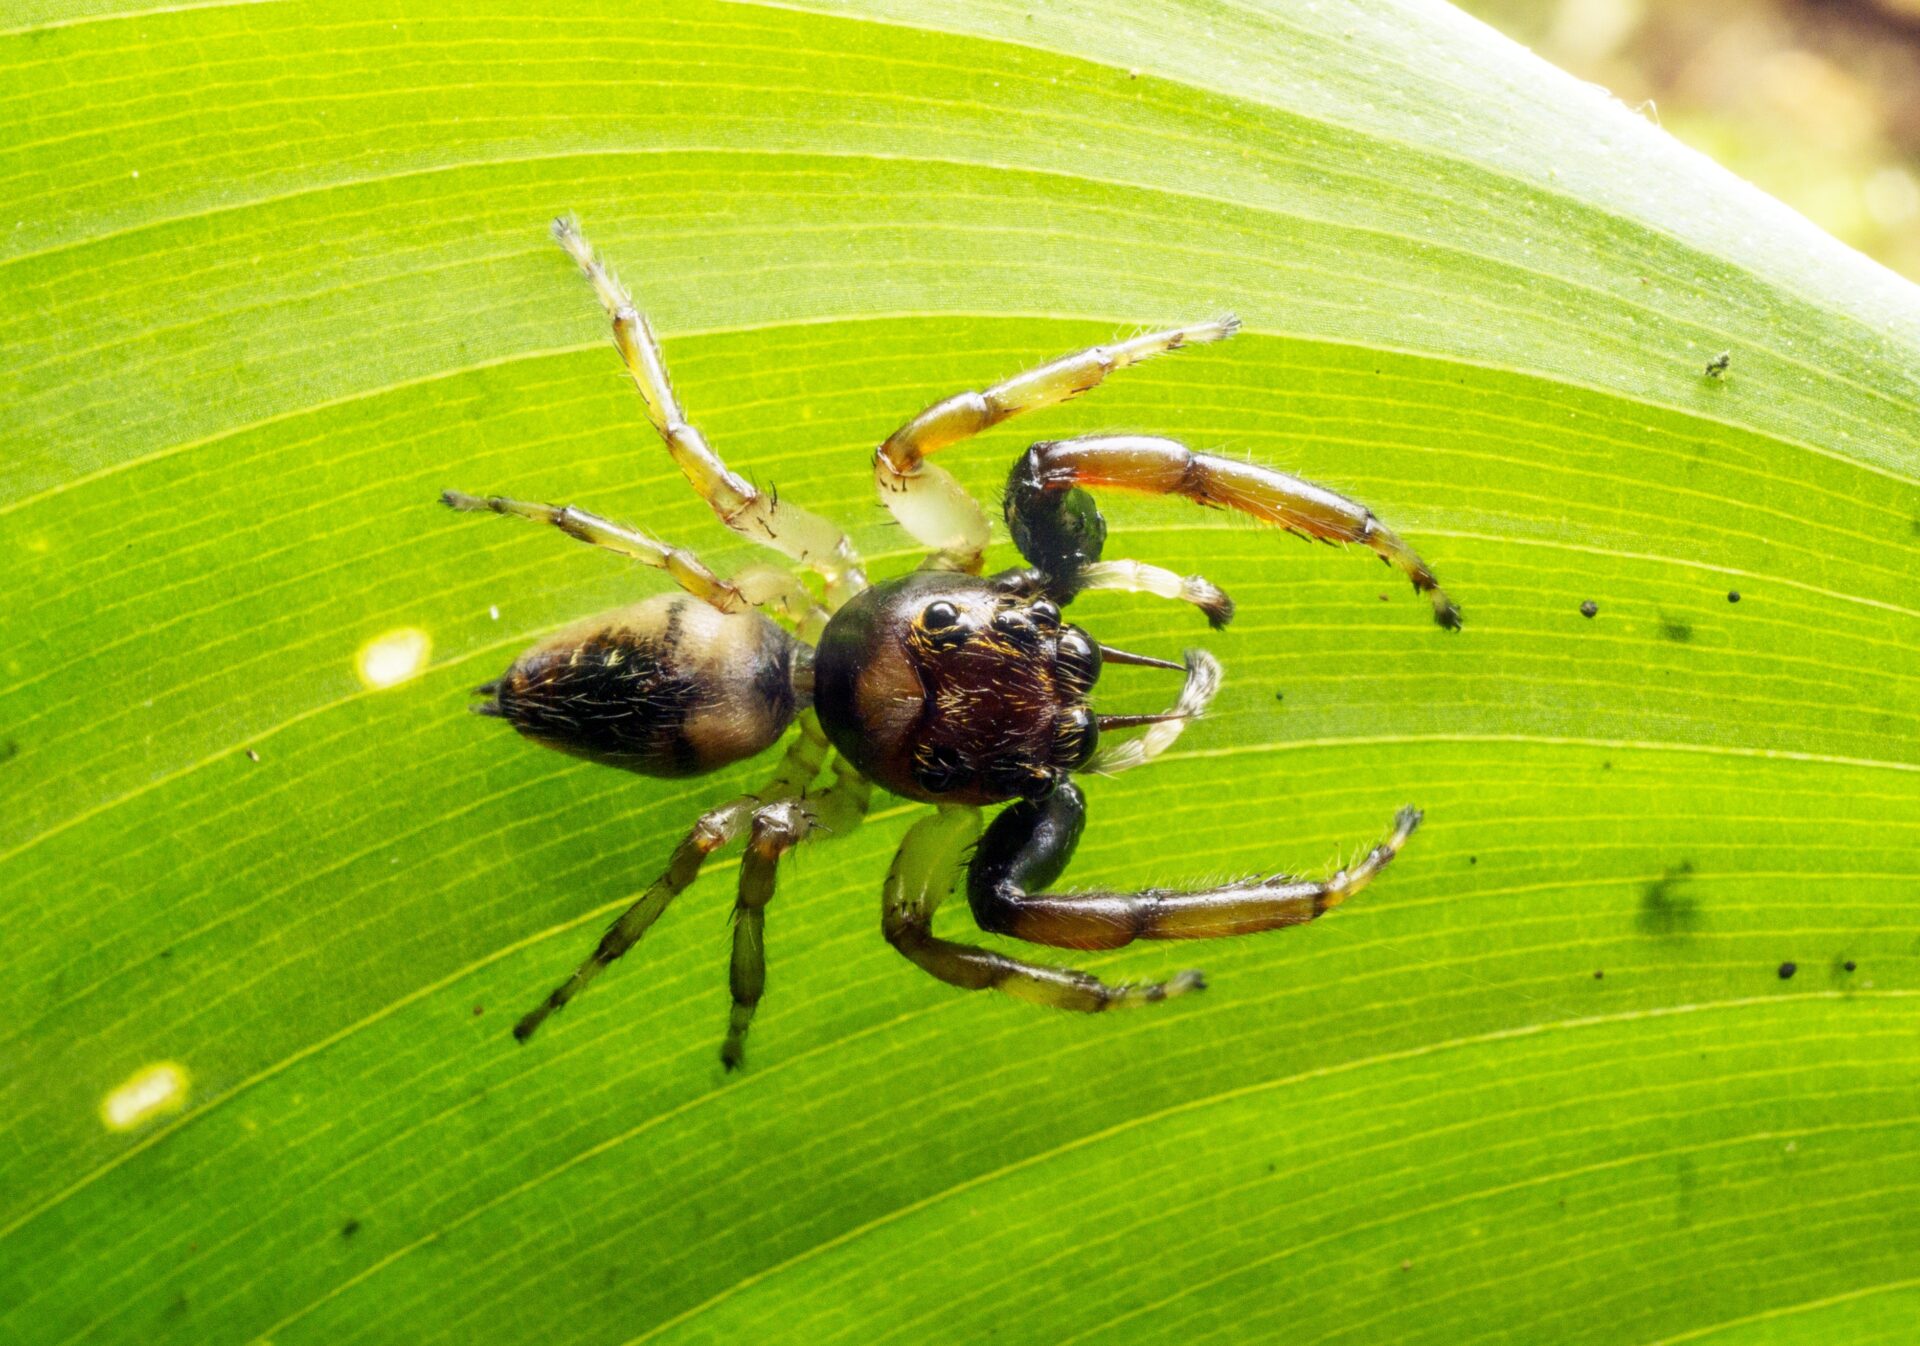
{"points": [[276, 274]]}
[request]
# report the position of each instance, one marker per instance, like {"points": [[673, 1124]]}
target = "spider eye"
{"points": [[939, 616], [1075, 735], [1076, 662], [941, 770], [1045, 615]]}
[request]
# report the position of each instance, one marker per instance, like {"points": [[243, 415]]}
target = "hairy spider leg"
{"points": [[754, 587], [714, 829], [934, 508], [1059, 530], [761, 515], [1029, 846], [838, 806], [777, 829], [923, 875]]}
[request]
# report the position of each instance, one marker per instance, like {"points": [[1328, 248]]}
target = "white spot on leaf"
{"points": [[148, 1092], [394, 657]]}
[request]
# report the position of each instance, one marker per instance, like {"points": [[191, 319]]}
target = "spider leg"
{"points": [[714, 829], [1030, 844], [777, 829], [761, 515], [754, 587], [934, 508], [922, 876], [1059, 530], [837, 806]]}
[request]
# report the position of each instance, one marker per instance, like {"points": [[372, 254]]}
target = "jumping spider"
{"points": [[946, 686]]}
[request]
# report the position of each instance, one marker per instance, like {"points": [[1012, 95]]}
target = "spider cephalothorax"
{"points": [[943, 685], [948, 688]]}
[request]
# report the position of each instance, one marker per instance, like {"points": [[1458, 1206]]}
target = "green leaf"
{"points": [[277, 274]]}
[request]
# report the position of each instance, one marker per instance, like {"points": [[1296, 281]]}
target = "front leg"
{"points": [[1060, 531], [1029, 845], [922, 875]]}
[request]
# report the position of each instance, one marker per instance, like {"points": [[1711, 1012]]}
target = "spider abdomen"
{"points": [[668, 687]]}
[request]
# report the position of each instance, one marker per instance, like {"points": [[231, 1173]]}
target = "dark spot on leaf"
{"points": [[1787, 970], [9, 750], [1589, 608], [1599, 974], [479, 1010], [1406, 1264], [1678, 632], [350, 1228], [166, 953], [176, 1309], [1847, 966], [1473, 859], [1733, 595], [1686, 1182], [1666, 911], [1279, 696]]}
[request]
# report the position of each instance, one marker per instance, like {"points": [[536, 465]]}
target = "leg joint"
{"points": [[906, 930], [996, 907]]}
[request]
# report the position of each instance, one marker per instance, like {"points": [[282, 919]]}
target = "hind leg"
{"points": [[836, 806], [714, 830], [777, 829], [755, 587]]}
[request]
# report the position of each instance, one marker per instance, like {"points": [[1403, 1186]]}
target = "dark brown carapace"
{"points": [[952, 689], [945, 685]]}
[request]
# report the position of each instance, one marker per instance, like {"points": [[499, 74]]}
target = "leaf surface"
{"points": [[277, 274]]}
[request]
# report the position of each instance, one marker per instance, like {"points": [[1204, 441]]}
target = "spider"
{"points": [[945, 686]]}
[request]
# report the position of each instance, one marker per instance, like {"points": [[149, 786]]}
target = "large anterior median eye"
{"points": [[939, 616]]}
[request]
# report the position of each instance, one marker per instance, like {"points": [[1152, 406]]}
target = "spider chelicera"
{"points": [[946, 686]]}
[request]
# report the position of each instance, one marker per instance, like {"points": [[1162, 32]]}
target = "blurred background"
{"points": [[1815, 101]]}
